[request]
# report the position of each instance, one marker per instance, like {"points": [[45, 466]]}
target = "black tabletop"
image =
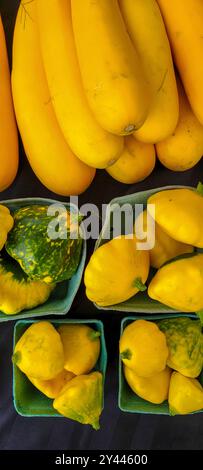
{"points": [[119, 431]]}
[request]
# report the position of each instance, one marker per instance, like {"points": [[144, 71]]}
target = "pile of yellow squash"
{"points": [[118, 269], [94, 86], [59, 363], [163, 360]]}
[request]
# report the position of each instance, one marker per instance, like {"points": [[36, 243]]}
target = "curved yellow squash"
{"points": [[184, 23], [136, 162], [8, 129], [147, 31], [87, 139], [184, 148], [112, 73], [48, 153]]}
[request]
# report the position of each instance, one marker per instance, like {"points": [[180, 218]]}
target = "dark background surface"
{"points": [[119, 430]]}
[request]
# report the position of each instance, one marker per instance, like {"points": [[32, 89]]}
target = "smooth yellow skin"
{"points": [[15, 298], [179, 284], [113, 269], [81, 399], [81, 348], [147, 31], [165, 248], [6, 224], [183, 20], [179, 213], [135, 163], [143, 348], [184, 148], [8, 128], [87, 139], [51, 388], [39, 351], [185, 395], [115, 84], [153, 389], [46, 148]]}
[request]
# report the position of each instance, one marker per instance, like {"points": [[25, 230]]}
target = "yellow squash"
{"points": [[81, 346], [153, 389], [185, 395], [183, 20], [179, 284], [87, 139], [116, 271], [143, 348], [165, 248], [81, 399], [184, 148], [51, 388], [135, 163], [48, 153], [6, 224], [147, 31], [17, 291], [179, 212], [39, 351], [8, 129], [112, 73], [185, 343]]}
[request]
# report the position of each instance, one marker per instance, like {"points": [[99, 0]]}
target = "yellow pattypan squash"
{"points": [[51, 388], [81, 399], [6, 224], [39, 351], [153, 389], [165, 247], [185, 343], [81, 346], [143, 348], [185, 395], [179, 284], [116, 271], [179, 212]]}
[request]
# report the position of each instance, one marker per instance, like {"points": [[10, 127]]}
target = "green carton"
{"points": [[128, 401], [60, 301], [140, 303], [29, 401]]}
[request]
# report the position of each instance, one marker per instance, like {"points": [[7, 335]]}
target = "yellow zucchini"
{"points": [[136, 162], [87, 139], [184, 23], [48, 153], [147, 31], [113, 77], [184, 148]]}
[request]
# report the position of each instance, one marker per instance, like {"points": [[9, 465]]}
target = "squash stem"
{"points": [[139, 284], [126, 354], [200, 315], [200, 188], [96, 425], [93, 335], [16, 357]]}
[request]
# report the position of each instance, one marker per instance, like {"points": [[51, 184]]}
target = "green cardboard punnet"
{"points": [[29, 401]]}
